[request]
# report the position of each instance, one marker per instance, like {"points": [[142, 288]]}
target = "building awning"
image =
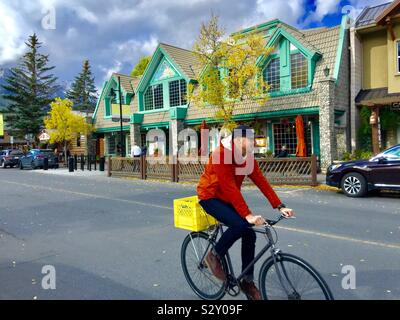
{"points": [[378, 96]]}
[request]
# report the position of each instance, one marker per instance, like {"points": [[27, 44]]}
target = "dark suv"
{"points": [[10, 157], [358, 177]]}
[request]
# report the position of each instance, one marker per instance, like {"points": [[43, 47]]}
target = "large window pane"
{"points": [[174, 93], [285, 135], [183, 91], [177, 93], [148, 99], [299, 71], [158, 97], [272, 74]]}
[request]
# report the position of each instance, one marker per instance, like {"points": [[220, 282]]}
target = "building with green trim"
{"points": [[308, 73]]}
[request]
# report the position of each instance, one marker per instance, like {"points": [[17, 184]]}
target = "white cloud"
{"points": [[71, 33], [289, 12], [131, 48], [86, 15], [322, 9], [12, 34], [109, 71]]}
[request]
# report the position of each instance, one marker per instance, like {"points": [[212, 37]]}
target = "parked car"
{"points": [[357, 178], [35, 158], [10, 157]]}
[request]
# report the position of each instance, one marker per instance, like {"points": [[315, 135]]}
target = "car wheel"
{"points": [[354, 185]]}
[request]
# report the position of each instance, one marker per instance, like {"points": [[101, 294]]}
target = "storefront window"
{"points": [[111, 145], [285, 135]]}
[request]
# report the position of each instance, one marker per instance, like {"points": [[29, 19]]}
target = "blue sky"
{"points": [[113, 34]]}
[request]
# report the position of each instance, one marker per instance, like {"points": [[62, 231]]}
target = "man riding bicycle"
{"points": [[220, 196]]}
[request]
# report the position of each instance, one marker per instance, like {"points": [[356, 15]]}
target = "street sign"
{"points": [[1, 126], [44, 136]]}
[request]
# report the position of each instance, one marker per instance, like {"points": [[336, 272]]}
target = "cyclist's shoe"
{"points": [[214, 264], [250, 290]]}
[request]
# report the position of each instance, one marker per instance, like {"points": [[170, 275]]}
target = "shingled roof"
{"points": [[128, 83], [369, 14], [183, 58]]}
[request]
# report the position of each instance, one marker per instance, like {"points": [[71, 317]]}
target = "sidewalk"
{"points": [[77, 173]]}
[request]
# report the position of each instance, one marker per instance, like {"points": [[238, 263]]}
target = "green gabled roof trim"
{"points": [[281, 32], [115, 79], [257, 28], [157, 57], [259, 115], [112, 129], [98, 100], [339, 52]]}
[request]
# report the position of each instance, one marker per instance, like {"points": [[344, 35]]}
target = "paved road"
{"points": [[114, 239]]}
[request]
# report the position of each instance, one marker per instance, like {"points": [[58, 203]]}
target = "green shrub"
{"points": [[360, 154]]}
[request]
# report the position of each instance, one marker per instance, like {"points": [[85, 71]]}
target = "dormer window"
{"points": [[272, 75], [299, 70]]}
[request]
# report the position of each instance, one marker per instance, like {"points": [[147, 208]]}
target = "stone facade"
{"points": [[356, 84], [326, 90]]}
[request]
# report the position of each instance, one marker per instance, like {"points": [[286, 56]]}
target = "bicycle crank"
{"points": [[233, 287]]}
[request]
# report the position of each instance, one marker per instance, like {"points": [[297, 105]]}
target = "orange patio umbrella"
{"points": [[203, 139], [301, 144]]}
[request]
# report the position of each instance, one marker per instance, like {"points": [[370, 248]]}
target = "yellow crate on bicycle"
{"points": [[189, 215]]}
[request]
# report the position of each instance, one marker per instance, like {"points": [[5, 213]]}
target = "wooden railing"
{"points": [[125, 167], [291, 171]]}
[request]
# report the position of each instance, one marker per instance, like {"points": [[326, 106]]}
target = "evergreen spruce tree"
{"points": [[83, 92], [30, 88]]}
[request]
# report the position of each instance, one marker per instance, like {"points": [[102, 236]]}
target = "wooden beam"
{"points": [[390, 28], [375, 129]]}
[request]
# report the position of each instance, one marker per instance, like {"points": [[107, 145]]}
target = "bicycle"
{"points": [[282, 276]]}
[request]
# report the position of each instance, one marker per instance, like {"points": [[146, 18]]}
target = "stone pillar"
{"points": [[175, 126], [134, 135], [327, 122]]}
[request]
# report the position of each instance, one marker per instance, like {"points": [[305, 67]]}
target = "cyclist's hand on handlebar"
{"points": [[287, 212], [256, 220]]}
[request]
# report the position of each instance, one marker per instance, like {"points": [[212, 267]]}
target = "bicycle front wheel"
{"points": [[194, 248], [292, 278]]}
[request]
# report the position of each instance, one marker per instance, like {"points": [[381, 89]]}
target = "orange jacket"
{"points": [[221, 181]]}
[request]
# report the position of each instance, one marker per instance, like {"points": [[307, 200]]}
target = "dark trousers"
{"points": [[238, 227]]}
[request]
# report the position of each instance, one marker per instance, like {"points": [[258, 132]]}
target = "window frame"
{"points": [[397, 55], [273, 58], [292, 54]]}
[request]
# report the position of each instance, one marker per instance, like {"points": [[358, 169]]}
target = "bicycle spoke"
{"points": [[199, 276], [295, 282]]}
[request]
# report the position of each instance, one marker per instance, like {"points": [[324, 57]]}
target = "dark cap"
{"points": [[241, 131]]}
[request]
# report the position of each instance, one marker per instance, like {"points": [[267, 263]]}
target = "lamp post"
{"points": [[112, 96]]}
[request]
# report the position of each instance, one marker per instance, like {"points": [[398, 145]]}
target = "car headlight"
{"points": [[334, 167]]}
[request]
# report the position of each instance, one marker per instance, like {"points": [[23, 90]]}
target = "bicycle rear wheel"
{"points": [[295, 279], [199, 277]]}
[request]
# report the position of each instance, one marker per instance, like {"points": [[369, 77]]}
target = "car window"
{"points": [[16, 153], [393, 153]]}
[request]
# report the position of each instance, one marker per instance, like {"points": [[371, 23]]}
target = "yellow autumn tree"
{"points": [[64, 125], [229, 74]]}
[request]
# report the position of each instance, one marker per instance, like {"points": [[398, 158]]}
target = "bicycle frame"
{"points": [[270, 245]]}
